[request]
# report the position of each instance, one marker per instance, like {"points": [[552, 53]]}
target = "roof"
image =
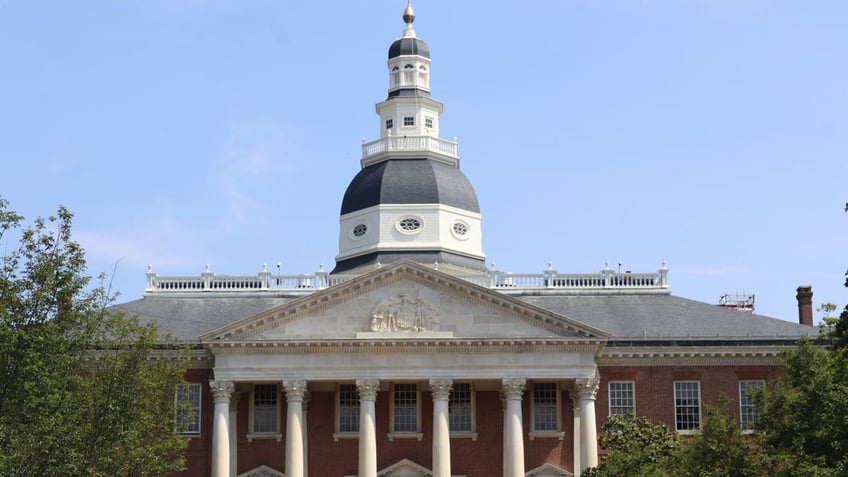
{"points": [[626, 318], [409, 181], [186, 317], [409, 46], [667, 317]]}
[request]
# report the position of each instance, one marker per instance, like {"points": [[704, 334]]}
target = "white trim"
{"points": [[632, 384], [548, 470], [700, 406], [470, 433], [276, 434], [546, 432], [198, 413], [414, 231], [747, 426], [395, 434]]}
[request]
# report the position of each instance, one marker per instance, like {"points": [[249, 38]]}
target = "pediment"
{"points": [[548, 470], [404, 468], [262, 471], [404, 301]]}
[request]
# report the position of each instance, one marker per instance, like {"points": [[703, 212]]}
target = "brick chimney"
{"points": [[805, 305]]}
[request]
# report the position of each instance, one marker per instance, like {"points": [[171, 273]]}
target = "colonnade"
{"points": [[512, 391]]}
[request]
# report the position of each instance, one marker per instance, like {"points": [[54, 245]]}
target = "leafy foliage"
{"points": [[638, 447], [803, 417], [79, 392], [720, 449]]}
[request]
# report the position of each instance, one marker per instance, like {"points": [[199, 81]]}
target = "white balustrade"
{"points": [[506, 282], [410, 143]]}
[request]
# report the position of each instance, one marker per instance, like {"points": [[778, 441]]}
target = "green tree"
{"points": [[79, 392], [803, 416], [637, 447], [720, 449]]}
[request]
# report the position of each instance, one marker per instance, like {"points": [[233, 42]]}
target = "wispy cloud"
{"points": [[161, 241], [253, 160], [717, 271]]}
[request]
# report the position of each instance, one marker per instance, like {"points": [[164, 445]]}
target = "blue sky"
{"points": [[710, 134]]}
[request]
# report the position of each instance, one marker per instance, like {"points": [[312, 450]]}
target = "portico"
{"points": [[450, 338]]}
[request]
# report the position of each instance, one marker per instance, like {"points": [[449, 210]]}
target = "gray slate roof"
{"points": [[666, 317], [409, 181], [186, 318], [625, 317]]}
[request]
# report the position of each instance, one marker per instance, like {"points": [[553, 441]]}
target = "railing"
{"points": [[411, 143], [606, 279]]}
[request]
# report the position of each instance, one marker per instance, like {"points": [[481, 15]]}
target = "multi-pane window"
{"points": [[405, 401], [621, 398], [687, 406], [409, 120], [459, 408], [545, 399], [428, 123], [265, 408], [389, 124], [747, 407], [348, 408], [187, 408]]}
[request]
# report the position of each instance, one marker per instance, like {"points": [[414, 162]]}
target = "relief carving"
{"points": [[404, 313]]}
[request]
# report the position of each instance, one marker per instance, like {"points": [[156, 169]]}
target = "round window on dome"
{"points": [[358, 231], [409, 225], [460, 230]]}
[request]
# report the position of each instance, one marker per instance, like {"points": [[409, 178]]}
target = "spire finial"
{"points": [[408, 14]]}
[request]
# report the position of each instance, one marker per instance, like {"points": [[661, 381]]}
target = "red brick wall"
{"points": [[483, 457], [654, 386]]}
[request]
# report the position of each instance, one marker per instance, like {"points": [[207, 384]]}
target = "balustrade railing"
{"points": [[550, 279], [410, 143]]}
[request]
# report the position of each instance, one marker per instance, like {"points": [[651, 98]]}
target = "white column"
{"points": [[441, 389], [514, 440], [575, 435], [221, 391], [587, 389], [295, 390], [505, 458], [234, 401], [367, 389], [305, 434]]}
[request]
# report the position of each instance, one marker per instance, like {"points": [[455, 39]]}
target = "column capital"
{"points": [[513, 388], [221, 390], [587, 388], [441, 388], [295, 389], [367, 389]]}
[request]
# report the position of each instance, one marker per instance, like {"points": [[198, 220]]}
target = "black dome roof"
{"points": [[409, 181], [409, 46]]}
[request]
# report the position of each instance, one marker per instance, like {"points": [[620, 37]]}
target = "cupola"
{"points": [[410, 199]]}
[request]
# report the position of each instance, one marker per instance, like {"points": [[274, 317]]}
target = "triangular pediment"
{"points": [[262, 471], [404, 468], [548, 470], [404, 300]]}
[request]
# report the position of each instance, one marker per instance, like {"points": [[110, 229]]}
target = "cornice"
{"points": [[690, 356], [406, 346]]}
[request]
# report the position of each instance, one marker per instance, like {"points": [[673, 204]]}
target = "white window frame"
{"points": [[394, 433], [196, 408], [610, 395], [345, 434], [535, 432], [472, 409], [274, 434], [747, 407], [409, 121], [678, 408]]}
